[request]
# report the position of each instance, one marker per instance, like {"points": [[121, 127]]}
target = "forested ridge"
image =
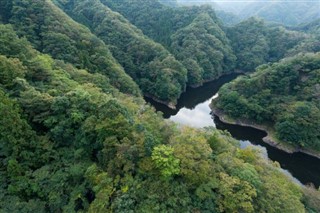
{"points": [[285, 94], [77, 136], [193, 34]]}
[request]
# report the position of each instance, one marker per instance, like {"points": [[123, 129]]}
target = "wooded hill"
{"points": [[77, 136]]}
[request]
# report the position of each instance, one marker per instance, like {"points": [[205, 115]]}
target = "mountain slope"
{"points": [[71, 143], [53, 32], [255, 43], [155, 70], [284, 12], [290, 13], [204, 49], [192, 34], [284, 95]]}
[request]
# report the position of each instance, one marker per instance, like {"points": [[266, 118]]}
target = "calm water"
{"points": [[193, 110]]}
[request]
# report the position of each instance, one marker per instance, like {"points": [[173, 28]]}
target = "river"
{"points": [[193, 110]]}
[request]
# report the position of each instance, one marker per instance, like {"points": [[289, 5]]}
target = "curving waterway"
{"points": [[193, 110]]}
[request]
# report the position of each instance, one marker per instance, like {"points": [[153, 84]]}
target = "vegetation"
{"points": [[155, 70], [204, 50], [285, 94], [76, 135], [72, 142], [193, 35], [254, 43], [283, 12], [51, 31]]}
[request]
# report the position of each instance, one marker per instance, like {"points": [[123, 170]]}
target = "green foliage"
{"points": [[284, 94], [254, 43], [70, 141], [194, 35], [300, 125], [235, 195], [311, 198], [164, 160], [10, 68], [154, 69], [205, 49], [53, 32]]}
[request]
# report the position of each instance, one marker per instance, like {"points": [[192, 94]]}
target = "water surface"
{"points": [[193, 110]]}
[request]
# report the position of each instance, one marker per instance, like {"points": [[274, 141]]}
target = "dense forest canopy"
{"points": [[287, 94], [255, 43], [77, 136], [155, 70], [193, 35], [78, 144]]}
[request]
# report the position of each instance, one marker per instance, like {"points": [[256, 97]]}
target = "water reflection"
{"points": [[193, 98], [303, 167], [193, 110], [196, 118]]}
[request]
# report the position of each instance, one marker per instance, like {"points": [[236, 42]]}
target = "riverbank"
{"points": [[269, 139], [239, 72], [172, 105]]}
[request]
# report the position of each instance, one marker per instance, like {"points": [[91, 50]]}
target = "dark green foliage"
{"points": [[156, 20], [192, 34], [70, 141], [53, 32], [285, 94], [255, 43], [157, 72], [204, 50]]}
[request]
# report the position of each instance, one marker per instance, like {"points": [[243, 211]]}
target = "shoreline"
{"points": [[173, 106], [269, 139], [216, 78], [168, 104]]}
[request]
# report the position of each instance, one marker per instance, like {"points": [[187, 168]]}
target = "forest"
{"points": [[284, 95], [76, 134]]}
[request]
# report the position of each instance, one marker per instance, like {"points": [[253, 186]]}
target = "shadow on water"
{"points": [[303, 167], [193, 109], [193, 96]]}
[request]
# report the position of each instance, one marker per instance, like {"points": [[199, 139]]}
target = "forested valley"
{"points": [[76, 134]]}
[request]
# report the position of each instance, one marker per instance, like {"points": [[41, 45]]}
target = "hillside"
{"points": [[284, 95], [154, 69], [51, 31], [77, 136], [193, 35], [79, 145], [285, 12], [255, 43]]}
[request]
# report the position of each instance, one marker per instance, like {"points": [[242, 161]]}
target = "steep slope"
{"points": [[156, 20], [204, 50], [284, 96], [71, 143], [53, 32], [255, 43], [192, 34], [310, 44], [156, 71]]}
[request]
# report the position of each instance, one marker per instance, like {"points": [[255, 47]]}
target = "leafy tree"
{"points": [[164, 160]]}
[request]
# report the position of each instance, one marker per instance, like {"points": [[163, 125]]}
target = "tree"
{"points": [[165, 161]]}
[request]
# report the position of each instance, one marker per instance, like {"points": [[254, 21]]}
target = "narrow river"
{"points": [[193, 110]]}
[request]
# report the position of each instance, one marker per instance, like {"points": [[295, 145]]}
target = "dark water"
{"points": [[193, 110]]}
